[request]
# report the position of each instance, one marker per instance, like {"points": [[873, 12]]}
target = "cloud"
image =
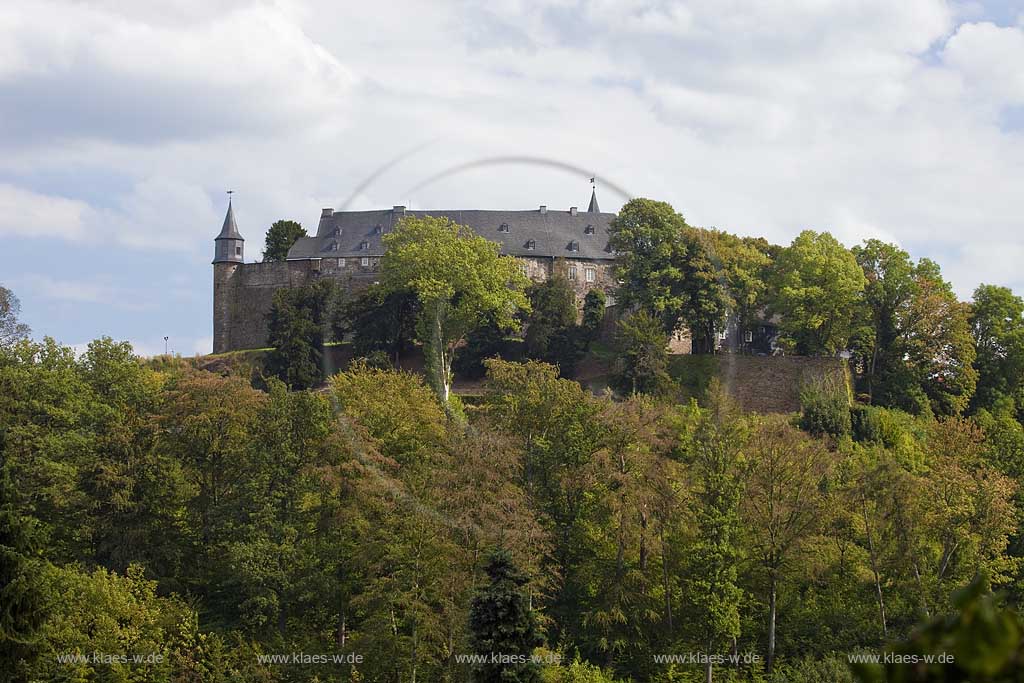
{"points": [[31, 214], [125, 123], [71, 71]]}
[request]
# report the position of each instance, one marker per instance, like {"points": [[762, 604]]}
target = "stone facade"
{"points": [[243, 293]]}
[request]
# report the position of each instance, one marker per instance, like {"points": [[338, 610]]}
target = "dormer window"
{"points": [[364, 245], [574, 246], [503, 228], [589, 230], [377, 229], [531, 245], [336, 232]]}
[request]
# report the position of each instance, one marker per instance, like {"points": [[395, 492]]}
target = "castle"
{"points": [[348, 247]]}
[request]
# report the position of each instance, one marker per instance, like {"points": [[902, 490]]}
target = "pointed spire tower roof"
{"points": [[593, 208], [230, 229]]}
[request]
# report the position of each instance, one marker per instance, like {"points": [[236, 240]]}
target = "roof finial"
{"points": [[593, 208]]}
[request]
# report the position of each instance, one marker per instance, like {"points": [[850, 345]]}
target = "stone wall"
{"points": [[244, 293], [760, 384]]}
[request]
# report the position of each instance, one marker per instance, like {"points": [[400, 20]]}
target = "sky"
{"points": [[122, 126]]}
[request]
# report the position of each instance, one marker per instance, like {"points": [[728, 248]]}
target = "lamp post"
{"points": [[165, 346]]}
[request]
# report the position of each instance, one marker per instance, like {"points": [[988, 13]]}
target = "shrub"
{"points": [[825, 409], [866, 424]]}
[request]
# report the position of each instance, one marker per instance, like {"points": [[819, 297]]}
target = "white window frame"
{"points": [[748, 336], [590, 274], [365, 261], [572, 272]]}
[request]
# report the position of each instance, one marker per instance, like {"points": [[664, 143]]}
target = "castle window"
{"points": [[574, 246], [341, 263], [572, 272], [334, 246], [531, 245], [336, 232], [590, 274], [503, 227], [748, 336], [377, 229], [589, 230], [238, 251], [722, 335], [364, 262], [364, 245]]}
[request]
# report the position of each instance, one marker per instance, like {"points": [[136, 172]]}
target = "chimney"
{"points": [[400, 210], [325, 220], [543, 208], [572, 210]]}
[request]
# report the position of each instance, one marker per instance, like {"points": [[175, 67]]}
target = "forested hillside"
{"points": [[231, 526]]}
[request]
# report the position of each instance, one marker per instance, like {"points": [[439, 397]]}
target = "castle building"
{"points": [[348, 247]]}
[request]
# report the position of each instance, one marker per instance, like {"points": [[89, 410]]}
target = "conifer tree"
{"points": [[504, 627]]}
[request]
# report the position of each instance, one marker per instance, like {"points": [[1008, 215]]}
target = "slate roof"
{"points": [[230, 229], [358, 233]]}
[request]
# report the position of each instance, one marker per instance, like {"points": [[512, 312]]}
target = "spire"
{"points": [[230, 229], [593, 208]]}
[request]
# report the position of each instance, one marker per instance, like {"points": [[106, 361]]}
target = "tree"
{"points": [[22, 598], [10, 329], [552, 311], [503, 626], [280, 238], [715, 556], [642, 347], [666, 269], [459, 279], [782, 502], [297, 323], [918, 353], [379, 321], [816, 286], [744, 263], [938, 346], [889, 276], [997, 324], [593, 314]]}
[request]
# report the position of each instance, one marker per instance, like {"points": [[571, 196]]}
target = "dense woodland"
{"points": [[148, 506]]}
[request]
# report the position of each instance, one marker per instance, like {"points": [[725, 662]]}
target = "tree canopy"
{"points": [[280, 238], [460, 279]]}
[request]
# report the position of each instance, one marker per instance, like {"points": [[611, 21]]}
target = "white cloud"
{"points": [[31, 214], [870, 118]]}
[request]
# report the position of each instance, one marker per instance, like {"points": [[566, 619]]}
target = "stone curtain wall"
{"points": [[244, 293]]}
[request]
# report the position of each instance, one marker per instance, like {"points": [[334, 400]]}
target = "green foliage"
{"points": [[280, 238], [10, 329], [461, 281], [642, 348], [997, 325], [378, 321], [503, 625], [695, 374], [825, 409], [866, 424], [667, 271], [816, 286], [297, 325], [980, 641], [594, 304]]}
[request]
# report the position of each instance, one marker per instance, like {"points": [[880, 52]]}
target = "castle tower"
{"points": [[228, 256]]}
